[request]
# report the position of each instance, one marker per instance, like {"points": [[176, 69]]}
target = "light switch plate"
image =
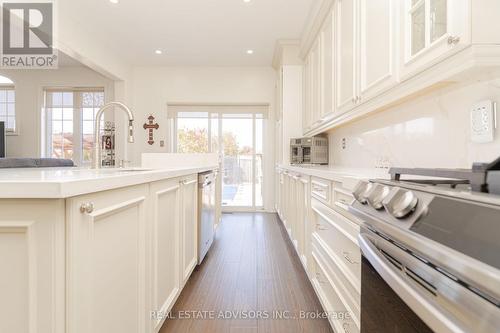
{"points": [[483, 121]]}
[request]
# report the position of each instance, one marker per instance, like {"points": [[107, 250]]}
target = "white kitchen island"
{"points": [[94, 250]]}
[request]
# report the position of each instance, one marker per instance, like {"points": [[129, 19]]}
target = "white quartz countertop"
{"points": [[348, 176], [69, 182]]}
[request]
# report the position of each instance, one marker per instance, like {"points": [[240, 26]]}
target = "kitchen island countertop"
{"points": [[58, 183]]}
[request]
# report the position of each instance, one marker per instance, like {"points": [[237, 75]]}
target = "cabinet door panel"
{"points": [[377, 46], [32, 266], [346, 48], [165, 199], [189, 226], [307, 112], [327, 43], [107, 261], [316, 82]]}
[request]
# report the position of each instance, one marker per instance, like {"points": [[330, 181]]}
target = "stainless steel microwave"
{"points": [[311, 150]]}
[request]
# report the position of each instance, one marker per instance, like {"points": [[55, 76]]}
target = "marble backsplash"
{"points": [[429, 131]]}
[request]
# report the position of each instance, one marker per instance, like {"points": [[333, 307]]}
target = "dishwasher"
{"points": [[206, 212]]}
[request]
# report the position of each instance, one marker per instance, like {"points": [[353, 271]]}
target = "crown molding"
{"points": [[317, 15], [279, 48]]}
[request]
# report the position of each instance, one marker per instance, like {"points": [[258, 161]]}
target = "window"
{"points": [[236, 134], [8, 104], [69, 119]]}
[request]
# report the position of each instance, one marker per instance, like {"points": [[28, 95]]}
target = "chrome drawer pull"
{"points": [[320, 227], [348, 258]]}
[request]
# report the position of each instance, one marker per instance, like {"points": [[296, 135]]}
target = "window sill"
{"points": [[11, 133]]}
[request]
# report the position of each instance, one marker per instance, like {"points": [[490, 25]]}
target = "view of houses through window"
{"points": [[69, 119]]}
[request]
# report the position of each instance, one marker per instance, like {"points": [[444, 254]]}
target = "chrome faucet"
{"points": [[97, 129]]}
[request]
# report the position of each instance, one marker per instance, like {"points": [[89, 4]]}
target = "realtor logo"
{"points": [[27, 35]]}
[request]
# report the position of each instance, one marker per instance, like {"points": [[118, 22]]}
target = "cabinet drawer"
{"points": [[321, 189], [340, 236], [342, 196], [349, 288], [340, 317], [342, 199]]}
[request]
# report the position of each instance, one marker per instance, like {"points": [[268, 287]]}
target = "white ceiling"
{"points": [[193, 32]]}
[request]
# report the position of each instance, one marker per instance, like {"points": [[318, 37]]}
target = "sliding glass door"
{"points": [[237, 138]]}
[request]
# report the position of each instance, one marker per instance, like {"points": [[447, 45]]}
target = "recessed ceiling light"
{"points": [[158, 51], [247, 1], [114, 1], [249, 51]]}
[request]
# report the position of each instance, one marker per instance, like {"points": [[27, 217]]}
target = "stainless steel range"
{"points": [[431, 250]]}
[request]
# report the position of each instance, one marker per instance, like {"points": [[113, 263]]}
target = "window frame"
{"points": [[213, 114], [15, 130], [77, 120]]}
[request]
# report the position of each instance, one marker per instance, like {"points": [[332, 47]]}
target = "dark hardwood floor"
{"points": [[252, 268]]}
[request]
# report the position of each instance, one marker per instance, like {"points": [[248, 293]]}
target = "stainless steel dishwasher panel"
{"points": [[206, 213]]}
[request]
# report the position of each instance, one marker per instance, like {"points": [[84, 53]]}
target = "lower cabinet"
{"points": [[165, 248], [313, 210], [107, 260], [189, 223], [130, 253], [32, 266], [110, 261]]}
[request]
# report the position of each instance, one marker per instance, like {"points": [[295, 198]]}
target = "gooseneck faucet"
{"points": [[97, 129]]}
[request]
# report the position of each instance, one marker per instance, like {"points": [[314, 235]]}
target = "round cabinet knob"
{"points": [[400, 203], [360, 191], [376, 196], [87, 208]]}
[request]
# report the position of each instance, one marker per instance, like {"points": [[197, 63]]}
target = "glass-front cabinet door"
{"points": [[433, 31]]}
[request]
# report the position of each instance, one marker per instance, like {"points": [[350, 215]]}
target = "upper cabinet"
{"points": [[362, 56], [346, 56], [327, 68], [432, 31], [366, 50], [377, 40]]}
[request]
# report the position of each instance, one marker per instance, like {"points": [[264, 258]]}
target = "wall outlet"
{"points": [[483, 121], [162, 143], [344, 143]]}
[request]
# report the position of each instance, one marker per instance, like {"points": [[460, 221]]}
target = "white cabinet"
{"points": [[290, 97], [315, 60], [32, 266], [110, 261], [166, 247], [346, 55], [293, 209], [189, 226], [106, 258], [432, 30], [377, 47], [366, 50], [325, 238], [327, 67], [307, 117]]}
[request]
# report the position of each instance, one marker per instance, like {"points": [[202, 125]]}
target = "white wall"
{"points": [[154, 87], [431, 131], [29, 86]]}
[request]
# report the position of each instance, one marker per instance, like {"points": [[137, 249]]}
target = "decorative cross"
{"points": [[151, 126]]}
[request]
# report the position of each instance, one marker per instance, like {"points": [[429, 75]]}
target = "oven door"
{"points": [[395, 297]]}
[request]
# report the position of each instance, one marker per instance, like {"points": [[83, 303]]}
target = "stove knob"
{"points": [[376, 195], [360, 191], [400, 203]]}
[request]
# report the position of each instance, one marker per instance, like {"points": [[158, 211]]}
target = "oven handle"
{"points": [[424, 306]]}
